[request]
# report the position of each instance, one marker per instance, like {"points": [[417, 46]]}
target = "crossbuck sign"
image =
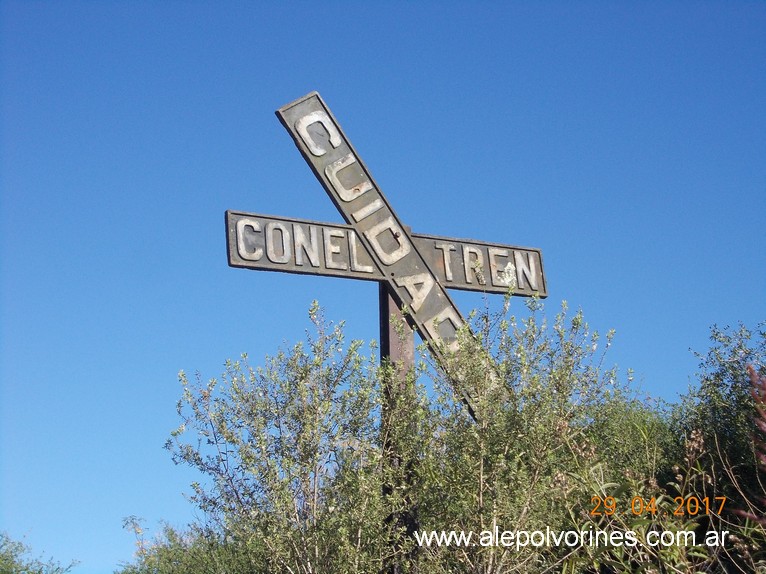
{"points": [[375, 245]]}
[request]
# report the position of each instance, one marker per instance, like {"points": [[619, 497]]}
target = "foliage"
{"points": [[323, 461], [758, 392], [722, 412], [198, 550], [291, 451], [14, 560], [722, 406], [710, 457]]}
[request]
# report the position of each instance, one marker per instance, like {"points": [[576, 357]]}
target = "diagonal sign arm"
{"points": [[351, 187]]}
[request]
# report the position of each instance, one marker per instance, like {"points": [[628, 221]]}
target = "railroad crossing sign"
{"points": [[375, 245]]}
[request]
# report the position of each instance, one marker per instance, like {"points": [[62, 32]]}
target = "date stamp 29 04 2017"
{"points": [[682, 506]]}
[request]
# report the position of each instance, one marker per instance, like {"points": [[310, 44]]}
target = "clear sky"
{"points": [[627, 140]]}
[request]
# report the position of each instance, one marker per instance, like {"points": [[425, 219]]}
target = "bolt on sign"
{"points": [[375, 245]]}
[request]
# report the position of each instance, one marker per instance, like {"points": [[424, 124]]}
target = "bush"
{"points": [[323, 461], [14, 560]]}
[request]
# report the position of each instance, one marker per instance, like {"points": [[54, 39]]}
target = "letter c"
{"points": [[302, 127], [244, 252]]}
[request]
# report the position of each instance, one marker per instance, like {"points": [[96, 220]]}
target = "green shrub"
{"points": [[323, 461]]}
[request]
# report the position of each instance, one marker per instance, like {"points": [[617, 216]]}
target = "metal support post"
{"points": [[397, 348]]}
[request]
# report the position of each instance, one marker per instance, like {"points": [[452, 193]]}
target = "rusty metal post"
{"points": [[400, 352], [397, 347]]}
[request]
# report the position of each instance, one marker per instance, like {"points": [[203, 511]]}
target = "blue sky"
{"points": [[626, 140]]}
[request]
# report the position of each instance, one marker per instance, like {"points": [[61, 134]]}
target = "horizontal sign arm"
{"points": [[291, 245]]}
